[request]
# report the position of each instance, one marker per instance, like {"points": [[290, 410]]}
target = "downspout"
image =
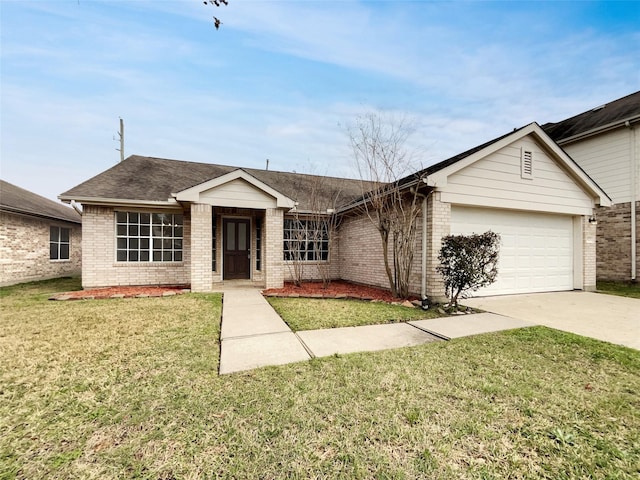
{"points": [[423, 285], [634, 192], [76, 207]]}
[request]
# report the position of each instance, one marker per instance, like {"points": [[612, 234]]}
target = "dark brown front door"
{"points": [[236, 249]]}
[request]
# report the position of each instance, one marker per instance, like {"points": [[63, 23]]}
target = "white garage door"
{"points": [[536, 251]]}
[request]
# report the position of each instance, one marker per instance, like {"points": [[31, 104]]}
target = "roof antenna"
{"points": [[267, 164]]}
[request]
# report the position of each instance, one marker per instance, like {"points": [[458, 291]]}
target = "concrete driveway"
{"points": [[604, 317]]}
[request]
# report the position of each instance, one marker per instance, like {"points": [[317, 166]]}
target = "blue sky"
{"points": [[281, 79]]}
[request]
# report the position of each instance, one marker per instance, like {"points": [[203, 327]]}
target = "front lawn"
{"points": [[312, 314], [110, 389], [624, 289]]}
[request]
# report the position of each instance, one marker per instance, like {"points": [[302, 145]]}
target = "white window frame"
{"points": [[59, 243], [291, 236], [148, 237]]}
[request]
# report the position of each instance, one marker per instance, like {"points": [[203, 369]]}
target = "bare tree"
{"points": [[311, 228], [385, 165], [325, 193]]}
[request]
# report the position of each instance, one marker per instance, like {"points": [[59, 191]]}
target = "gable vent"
{"points": [[526, 163]]}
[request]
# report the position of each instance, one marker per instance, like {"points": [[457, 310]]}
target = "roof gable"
{"points": [[439, 174], [235, 189], [500, 180]]}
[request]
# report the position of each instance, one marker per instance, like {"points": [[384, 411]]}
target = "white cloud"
{"points": [[468, 72]]}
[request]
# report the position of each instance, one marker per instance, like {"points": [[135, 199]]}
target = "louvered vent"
{"points": [[527, 164]]}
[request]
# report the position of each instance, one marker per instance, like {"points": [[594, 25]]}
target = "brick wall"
{"points": [[201, 248], [24, 249], [613, 244], [272, 259], [589, 262], [438, 226], [99, 267], [361, 257]]}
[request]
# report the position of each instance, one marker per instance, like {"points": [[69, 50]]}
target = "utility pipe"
{"points": [[634, 193], [423, 285]]}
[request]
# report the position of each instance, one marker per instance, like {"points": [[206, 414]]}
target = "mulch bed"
{"points": [[121, 292], [336, 289]]}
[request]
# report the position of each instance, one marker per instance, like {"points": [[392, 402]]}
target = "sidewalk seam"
{"points": [[255, 335], [435, 334], [304, 345]]}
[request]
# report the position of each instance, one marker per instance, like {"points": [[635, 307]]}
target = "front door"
{"points": [[236, 249]]}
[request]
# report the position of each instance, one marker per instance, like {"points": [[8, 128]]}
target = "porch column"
{"points": [[201, 275], [438, 226], [273, 249]]}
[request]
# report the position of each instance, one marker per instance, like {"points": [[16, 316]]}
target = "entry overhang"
{"points": [[235, 189]]}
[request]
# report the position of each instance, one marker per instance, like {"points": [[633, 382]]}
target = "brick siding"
{"points": [[99, 266], [24, 249], [273, 237], [613, 244], [201, 248], [361, 257], [438, 226], [588, 255]]}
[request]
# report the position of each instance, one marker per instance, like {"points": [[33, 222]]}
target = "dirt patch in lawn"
{"points": [[336, 289], [122, 292]]}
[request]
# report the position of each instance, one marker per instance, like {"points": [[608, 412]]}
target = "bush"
{"points": [[468, 262]]}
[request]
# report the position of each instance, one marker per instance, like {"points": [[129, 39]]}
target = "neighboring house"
{"points": [[605, 142], [39, 238], [157, 221]]}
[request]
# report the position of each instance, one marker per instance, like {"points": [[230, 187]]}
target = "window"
{"points": [[214, 235], [526, 164], [148, 237], [59, 243], [305, 240], [258, 244]]}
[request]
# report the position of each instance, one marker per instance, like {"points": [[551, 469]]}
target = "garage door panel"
{"points": [[536, 251]]}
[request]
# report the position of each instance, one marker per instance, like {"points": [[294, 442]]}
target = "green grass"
{"points": [[624, 289], [129, 389], [312, 314]]}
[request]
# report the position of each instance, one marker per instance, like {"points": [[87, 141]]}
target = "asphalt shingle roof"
{"points": [[155, 179], [18, 200], [617, 111]]}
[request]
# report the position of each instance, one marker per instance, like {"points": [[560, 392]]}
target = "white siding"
{"points": [[496, 181], [606, 158], [238, 193]]}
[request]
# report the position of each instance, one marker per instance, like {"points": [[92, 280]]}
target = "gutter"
{"points": [[17, 211], [120, 202], [362, 200]]}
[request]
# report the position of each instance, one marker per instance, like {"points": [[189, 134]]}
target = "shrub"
{"points": [[468, 262]]}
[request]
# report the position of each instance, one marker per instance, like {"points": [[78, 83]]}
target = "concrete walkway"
{"points": [[253, 335], [605, 317]]}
